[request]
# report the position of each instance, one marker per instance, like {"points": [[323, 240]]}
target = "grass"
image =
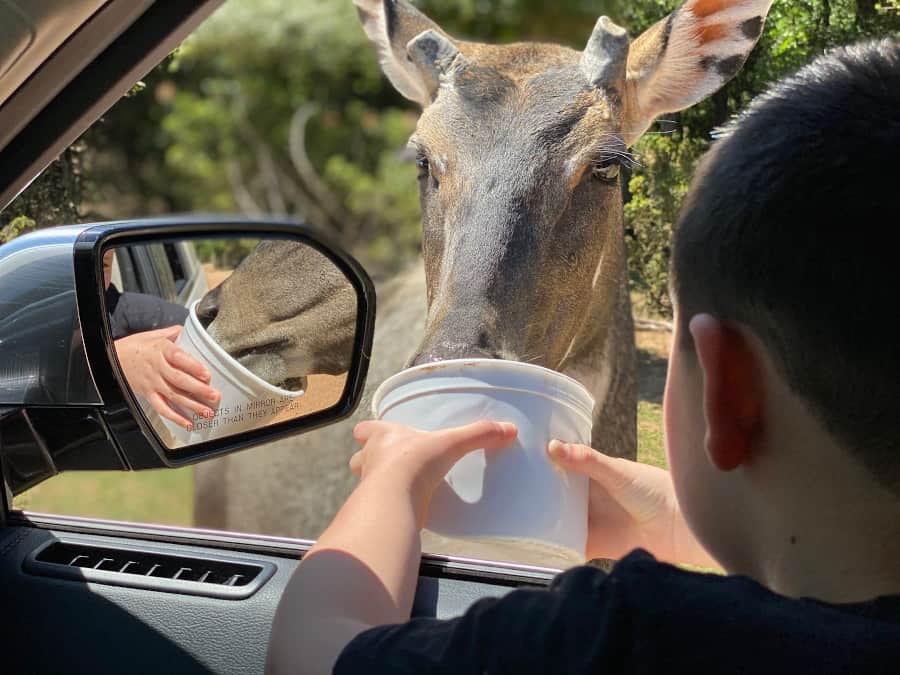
{"points": [[160, 496], [650, 434], [166, 496]]}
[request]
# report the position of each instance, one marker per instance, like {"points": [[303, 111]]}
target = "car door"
{"points": [[85, 594]]}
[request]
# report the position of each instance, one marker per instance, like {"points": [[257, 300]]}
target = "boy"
{"points": [[782, 430]]}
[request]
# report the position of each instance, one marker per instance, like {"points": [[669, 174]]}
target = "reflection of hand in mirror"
{"points": [[166, 376]]}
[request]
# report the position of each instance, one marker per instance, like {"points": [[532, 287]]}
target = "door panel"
{"points": [[55, 625], [61, 626]]}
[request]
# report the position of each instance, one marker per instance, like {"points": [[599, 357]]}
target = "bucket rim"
{"points": [[573, 386], [226, 358]]}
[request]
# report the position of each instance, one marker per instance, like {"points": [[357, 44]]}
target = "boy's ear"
{"points": [[732, 391], [413, 50], [688, 56]]}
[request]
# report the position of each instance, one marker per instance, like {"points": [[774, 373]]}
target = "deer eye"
{"points": [[606, 171], [424, 166]]}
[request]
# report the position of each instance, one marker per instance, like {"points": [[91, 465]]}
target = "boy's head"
{"points": [[787, 240]]}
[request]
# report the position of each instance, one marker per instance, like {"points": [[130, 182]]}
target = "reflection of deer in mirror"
{"points": [[285, 312], [519, 148]]}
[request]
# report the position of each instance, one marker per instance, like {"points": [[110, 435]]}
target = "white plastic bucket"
{"points": [[248, 402], [512, 504]]}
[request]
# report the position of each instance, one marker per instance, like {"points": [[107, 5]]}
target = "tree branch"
{"points": [[245, 201], [323, 195], [269, 175]]}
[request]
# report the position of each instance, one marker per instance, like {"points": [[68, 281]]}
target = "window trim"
{"points": [[95, 89], [432, 565]]}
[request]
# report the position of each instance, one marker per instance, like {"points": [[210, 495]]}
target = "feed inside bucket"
{"points": [[512, 504], [247, 400]]}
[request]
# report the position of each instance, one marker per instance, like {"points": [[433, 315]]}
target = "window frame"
{"points": [[57, 122]]}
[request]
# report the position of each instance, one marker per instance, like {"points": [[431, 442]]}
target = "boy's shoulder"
{"points": [[656, 587], [643, 616]]}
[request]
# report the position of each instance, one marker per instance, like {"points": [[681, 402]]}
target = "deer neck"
{"points": [[592, 356]]}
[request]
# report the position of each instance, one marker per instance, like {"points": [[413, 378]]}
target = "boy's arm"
{"points": [[362, 572]]}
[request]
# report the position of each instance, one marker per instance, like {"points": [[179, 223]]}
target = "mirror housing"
{"points": [[64, 401]]}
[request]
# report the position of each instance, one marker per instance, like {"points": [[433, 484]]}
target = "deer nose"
{"points": [[208, 307]]}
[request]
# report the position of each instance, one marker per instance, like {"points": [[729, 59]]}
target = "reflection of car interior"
{"points": [[169, 271]]}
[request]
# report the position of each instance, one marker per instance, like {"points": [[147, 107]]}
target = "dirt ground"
{"points": [[653, 359], [322, 392], [215, 276]]}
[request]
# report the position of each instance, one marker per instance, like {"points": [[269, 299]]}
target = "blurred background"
{"points": [[279, 107]]}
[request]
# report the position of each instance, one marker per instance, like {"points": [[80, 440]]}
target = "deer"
{"points": [[285, 312], [519, 149]]}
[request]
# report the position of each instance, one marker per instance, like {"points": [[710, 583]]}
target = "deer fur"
{"points": [[524, 258]]}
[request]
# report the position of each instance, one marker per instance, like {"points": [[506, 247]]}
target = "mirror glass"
{"points": [[219, 336]]}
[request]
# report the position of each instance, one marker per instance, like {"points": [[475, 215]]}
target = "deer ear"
{"points": [[688, 56], [395, 27]]}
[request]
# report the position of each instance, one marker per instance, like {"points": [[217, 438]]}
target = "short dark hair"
{"points": [[790, 230]]}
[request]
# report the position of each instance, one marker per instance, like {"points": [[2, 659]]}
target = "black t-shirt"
{"points": [[643, 617], [131, 313]]}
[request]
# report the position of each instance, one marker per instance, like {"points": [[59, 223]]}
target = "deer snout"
{"points": [[208, 307], [466, 331]]}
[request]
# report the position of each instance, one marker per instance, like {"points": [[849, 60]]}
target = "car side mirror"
{"points": [[165, 342]]}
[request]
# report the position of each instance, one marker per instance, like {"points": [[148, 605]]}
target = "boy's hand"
{"points": [[631, 504], [419, 460]]}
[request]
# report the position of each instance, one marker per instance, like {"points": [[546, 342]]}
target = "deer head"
{"points": [[287, 311], [519, 148]]}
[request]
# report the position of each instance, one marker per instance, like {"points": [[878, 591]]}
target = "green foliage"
{"points": [[796, 32], [224, 253], [17, 226], [657, 189]]}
